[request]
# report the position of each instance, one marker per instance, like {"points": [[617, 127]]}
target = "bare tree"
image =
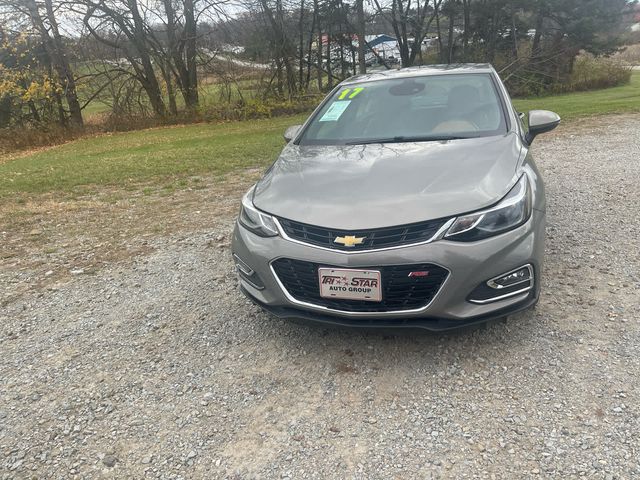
{"points": [[283, 47], [46, 24], [410, 22], [181, 46], [101, 18]]}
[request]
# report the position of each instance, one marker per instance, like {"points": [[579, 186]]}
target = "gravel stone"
{"points": [[109, 460]]}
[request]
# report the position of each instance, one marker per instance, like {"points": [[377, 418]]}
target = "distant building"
{"points": [[375, 40], [385, 46]]}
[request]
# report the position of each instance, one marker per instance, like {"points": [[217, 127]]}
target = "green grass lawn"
{"points": [[164, 156], [159, 154], [622, 99]]}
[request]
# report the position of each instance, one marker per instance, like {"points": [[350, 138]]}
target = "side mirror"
{"points": [[541, 121], [291, 132]]}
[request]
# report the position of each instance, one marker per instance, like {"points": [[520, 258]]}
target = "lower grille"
{"points": [[399, 291]]}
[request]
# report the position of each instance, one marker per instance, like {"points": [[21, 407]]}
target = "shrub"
{"points": [[629, 55], [258, 108], [20, 138], [591, 73]]}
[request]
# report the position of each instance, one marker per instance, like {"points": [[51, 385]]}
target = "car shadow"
{"points": [[371, 344]]}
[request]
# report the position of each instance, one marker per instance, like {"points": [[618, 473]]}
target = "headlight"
{"points": [[512, 211], [254, 220]]}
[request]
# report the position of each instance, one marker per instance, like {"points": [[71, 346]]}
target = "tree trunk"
{"points": [[329, 66], [342, 41], [309, 48], [64, 69], [450, 34], [182, 52], [466, 16], [301, 46], [399, 24], [439, 32], [190, 36], [362, 61], [171, 94], [514, 33], [496, 19], [149, 82], [174, 56], [535, 46], [6, 111], [280, 81], [316, 9], [62, 118]]}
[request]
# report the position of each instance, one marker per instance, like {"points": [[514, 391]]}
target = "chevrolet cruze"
{"points": [[409, 198]]}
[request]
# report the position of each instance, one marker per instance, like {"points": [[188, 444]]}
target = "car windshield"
{"points": [[433, 107]]}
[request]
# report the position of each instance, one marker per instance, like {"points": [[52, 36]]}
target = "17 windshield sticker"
{"points": [[350, 93], [335, 111]]}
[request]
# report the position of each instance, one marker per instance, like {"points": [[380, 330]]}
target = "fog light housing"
{"points": [[248, 274], [510, 279], [509, 284]]}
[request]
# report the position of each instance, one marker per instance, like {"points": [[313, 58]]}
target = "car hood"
{"points": [[378, 185]]}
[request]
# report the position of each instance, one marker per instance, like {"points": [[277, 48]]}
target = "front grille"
{"points": [[399, 291], [373, 238]]}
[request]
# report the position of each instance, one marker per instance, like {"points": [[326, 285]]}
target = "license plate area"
{"points": [[350, 284]]}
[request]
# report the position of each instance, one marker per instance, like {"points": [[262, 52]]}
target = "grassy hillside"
{"points": [[174, 155]]}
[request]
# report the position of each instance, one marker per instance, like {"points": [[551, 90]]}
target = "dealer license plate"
{"points": [[350, 284]]}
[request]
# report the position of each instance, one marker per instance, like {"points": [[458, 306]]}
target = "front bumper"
{"points": [[423, 323], [469, 264]]}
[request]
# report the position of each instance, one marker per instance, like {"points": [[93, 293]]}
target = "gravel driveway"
{"points": [[156, 366]]}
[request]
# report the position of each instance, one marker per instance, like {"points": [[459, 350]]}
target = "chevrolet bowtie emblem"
{"points": [[349, 240]]}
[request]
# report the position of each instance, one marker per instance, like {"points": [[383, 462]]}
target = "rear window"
{"points": [[409, 109]]}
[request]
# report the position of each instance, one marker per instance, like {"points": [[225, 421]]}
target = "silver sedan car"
{"points": [[409, 198]]}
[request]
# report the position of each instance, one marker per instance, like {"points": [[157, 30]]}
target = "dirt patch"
{"points": [[51, 238]]}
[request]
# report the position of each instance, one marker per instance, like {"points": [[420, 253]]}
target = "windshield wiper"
{"points": [[405, 139]]}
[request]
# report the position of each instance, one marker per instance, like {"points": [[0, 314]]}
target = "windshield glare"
{"points": [[434, 107]]}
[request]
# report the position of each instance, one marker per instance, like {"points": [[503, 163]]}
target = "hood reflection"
{"points": [[375, 185]]}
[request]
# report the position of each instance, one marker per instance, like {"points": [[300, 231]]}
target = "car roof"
{"points": [[421, 71]]}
